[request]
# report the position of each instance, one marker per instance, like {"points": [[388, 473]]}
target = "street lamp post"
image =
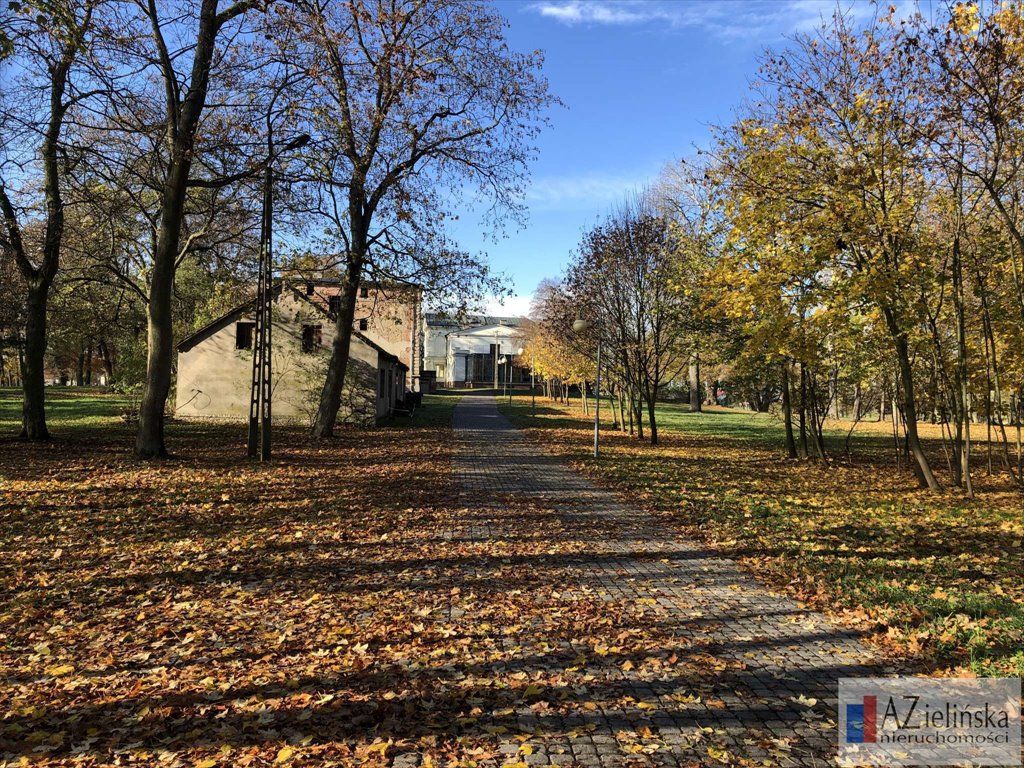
{"points": [[261, 390], [508, 373], [579, 326], [496, 362], [533, 383]]}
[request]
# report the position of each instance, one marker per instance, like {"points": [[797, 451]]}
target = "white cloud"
{"points": [[728, 20], [513, 306], [586, 190], [574, 12]]}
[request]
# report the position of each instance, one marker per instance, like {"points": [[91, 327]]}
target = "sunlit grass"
{"points": [[67, 408], [936, 574]]}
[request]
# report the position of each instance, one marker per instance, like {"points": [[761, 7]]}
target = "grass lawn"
{"points": [[78, 413], [936, 576], [74, 411]]}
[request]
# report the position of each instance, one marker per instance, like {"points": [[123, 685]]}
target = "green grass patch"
{"points": [[934, 575], [69, 410], [435, 411]]}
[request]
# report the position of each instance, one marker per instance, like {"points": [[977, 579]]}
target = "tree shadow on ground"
{"points": [[348, 594]]}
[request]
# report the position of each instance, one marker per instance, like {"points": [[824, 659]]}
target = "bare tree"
{"points": [[624, 277], [184, 64], [413, 100], [48, 41]]}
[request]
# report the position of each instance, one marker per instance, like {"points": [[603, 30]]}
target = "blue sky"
{"points": [[642, 82]]}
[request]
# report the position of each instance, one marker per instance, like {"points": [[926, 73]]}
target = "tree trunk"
{"points": [[649, 393], [1020, 445], [330, 397], [817, 419], [182, 121], [651, 419], [990, 341], [695, 399], [802, 448], [988, 410], [787, 412], [833, 394], [961, 446], [33, 384], [922, 470], [108, 361], [149, 443]]}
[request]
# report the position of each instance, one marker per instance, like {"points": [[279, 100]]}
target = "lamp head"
{"points": [[580, 325]]}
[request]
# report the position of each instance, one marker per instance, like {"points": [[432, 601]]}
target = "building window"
{"points": [[334, 304], [382, 386], [364, 292], [364, 324], [309, 289], [312, 339], [243, 335]]}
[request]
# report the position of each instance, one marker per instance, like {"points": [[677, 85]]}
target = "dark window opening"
{"points": [[312, 339], [334, 304], [309, 289], [364, 324], [244, 333], [364, 292], [383, 383]]}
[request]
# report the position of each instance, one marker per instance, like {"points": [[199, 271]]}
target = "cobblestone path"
{"points": [[756, 681]]}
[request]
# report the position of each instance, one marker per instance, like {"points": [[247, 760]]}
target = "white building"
{"points": [[470, 355]]}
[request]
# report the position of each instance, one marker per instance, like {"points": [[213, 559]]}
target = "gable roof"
{"points": [[250, 306], [224, 320], [442, 320], [486, 330]]}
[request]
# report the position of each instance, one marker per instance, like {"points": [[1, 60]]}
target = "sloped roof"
{"points": [[484, 330], [232, 315], [440, 320], [226, 319]]}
